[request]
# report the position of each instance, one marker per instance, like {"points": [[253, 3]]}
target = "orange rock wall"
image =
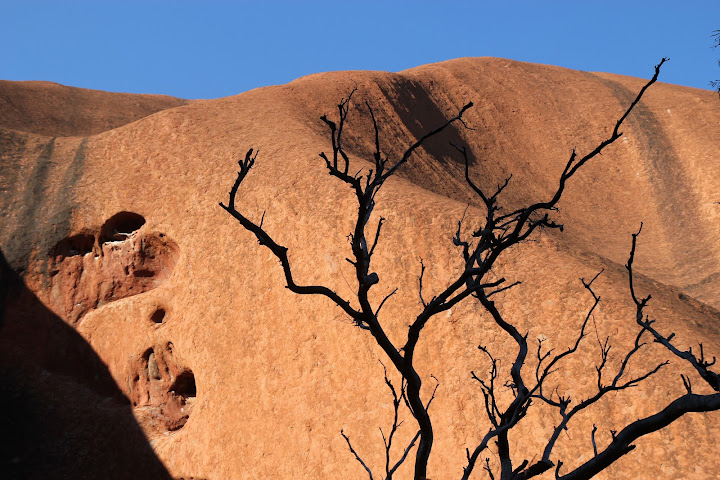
{"points": [[241, 379]]}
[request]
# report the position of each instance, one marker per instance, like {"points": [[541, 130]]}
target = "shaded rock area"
{"points": [[37, 181], [63, 416], [141, 321]]}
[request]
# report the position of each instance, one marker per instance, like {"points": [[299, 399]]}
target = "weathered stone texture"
{"points": [[232, 376]]}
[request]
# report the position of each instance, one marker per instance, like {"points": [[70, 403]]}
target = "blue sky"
{"points": [[212, 49]]}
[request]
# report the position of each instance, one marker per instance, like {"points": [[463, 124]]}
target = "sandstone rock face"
{"points": [[88, 270], [52, 109], [162, 392], [118, 233]]}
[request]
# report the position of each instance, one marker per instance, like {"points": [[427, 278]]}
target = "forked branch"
{"points": [[365, 314], [488, 240]]}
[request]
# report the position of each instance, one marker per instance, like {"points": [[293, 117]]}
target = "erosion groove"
{"points": [[230, 376]]}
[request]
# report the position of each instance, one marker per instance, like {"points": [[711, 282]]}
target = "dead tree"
{"points": [[493, 235], [503, 420]]}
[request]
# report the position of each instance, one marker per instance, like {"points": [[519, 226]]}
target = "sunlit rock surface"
{"points": [[110, 216]]}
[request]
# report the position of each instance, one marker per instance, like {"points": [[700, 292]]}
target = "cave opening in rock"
{"points": [[120, 225], [80, 244], [184, 385], [144, 273], [158, 315]]}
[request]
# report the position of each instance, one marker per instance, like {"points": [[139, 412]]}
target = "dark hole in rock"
{"points": [[146, 356], [79, 244], [144, 273], [158, 315], [184, 385], [120, 225]]}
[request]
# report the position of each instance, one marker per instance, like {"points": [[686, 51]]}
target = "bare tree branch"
{"points": [[699, 364], [357, 457], [421, 140], [488, 240], [487, 468]]}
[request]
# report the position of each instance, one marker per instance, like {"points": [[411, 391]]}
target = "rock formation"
{"points": [[110, 216]]}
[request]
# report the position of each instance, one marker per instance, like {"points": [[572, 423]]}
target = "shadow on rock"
{"points": [[62, 416]]}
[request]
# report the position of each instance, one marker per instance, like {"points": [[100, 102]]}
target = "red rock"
{"points": [[275, 376]]}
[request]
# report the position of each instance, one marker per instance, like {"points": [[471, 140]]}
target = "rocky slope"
{"points": [[48, 108], [117, 232]]}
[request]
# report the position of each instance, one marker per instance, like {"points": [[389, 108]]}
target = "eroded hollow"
{"points": [[120, 226], [144, 273], [137, 263], [162, 390], [184, 385], [80, 244], [158, 315]]}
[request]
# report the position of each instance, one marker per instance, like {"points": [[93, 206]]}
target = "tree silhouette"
{"points": [[491, 236]]}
